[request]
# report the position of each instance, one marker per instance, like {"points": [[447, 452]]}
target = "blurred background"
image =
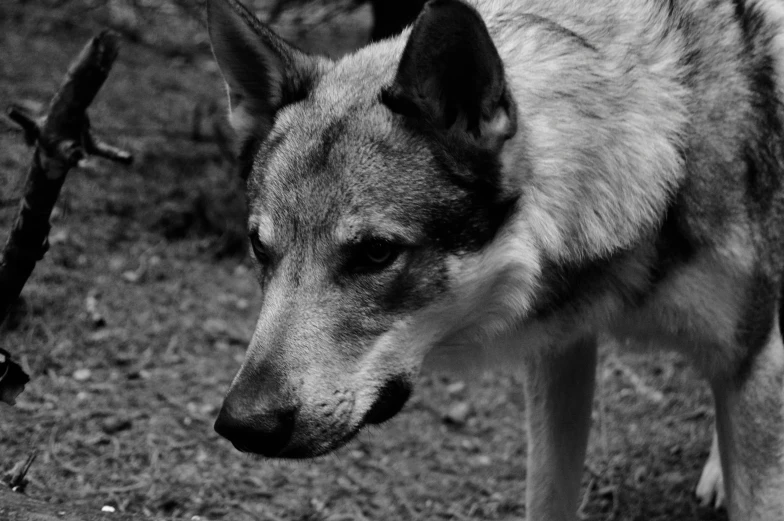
{"points": [[138, 317]]}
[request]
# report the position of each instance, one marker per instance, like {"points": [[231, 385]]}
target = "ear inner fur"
{"points": [[452, 76], [263, 73]]}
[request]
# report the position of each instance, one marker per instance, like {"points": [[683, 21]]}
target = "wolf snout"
{"points": [[257, 416], [265, 431]]}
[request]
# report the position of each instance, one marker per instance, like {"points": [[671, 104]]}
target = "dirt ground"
{"points": [[134, 324]]}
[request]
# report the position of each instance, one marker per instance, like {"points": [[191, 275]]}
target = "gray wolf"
{"points": [[547, 170]]}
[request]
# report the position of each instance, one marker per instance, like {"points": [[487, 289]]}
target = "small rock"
{"points": [[115, 424], [357, 454], [458, 414], [133, 375], [63, 346], [116, 263], [57, 237], [91, 305], [103, 335], [484, 461], [470, 445], [82, 375], [640, 474], [202, 456], [221, 345], [674, 478], [132, 276], [215, 327], [456, 388]]}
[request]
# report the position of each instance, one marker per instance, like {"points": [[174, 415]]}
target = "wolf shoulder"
{"points": [[677, 91]]}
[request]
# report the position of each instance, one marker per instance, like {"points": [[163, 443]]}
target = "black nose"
{"points": [[265, 432]]}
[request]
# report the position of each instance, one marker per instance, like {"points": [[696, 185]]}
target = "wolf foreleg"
{"points": [[559, 393], [750, 426]]}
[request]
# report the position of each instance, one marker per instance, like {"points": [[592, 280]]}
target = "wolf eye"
{"points": [[373, 255], [258, 248]]}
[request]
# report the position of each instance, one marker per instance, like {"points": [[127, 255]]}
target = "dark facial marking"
{"points": [[380, 299], [472, 221], [319, 158]]}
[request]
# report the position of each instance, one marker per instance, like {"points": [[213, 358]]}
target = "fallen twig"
{"points": [[586, 499], [16, 478], [62, 137]]}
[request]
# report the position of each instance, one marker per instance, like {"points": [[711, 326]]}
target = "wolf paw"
{"points": [[710, 488]]}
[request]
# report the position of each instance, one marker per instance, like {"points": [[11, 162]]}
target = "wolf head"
{"points": [[403, 197], [371, 181]]}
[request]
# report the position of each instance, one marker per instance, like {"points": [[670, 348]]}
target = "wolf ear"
{"points": [[263, 73], [451, 76]]}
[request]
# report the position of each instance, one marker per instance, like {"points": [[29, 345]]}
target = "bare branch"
{"points": [[95, 147], [61, 138], [30, 126]]}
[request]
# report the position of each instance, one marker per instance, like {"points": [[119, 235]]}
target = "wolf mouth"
{"points": [[301, 451], [389, 402]]}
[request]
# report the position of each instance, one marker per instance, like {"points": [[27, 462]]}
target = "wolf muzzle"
{"points": [[263, 415], [258, 414], [266, 432]]}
